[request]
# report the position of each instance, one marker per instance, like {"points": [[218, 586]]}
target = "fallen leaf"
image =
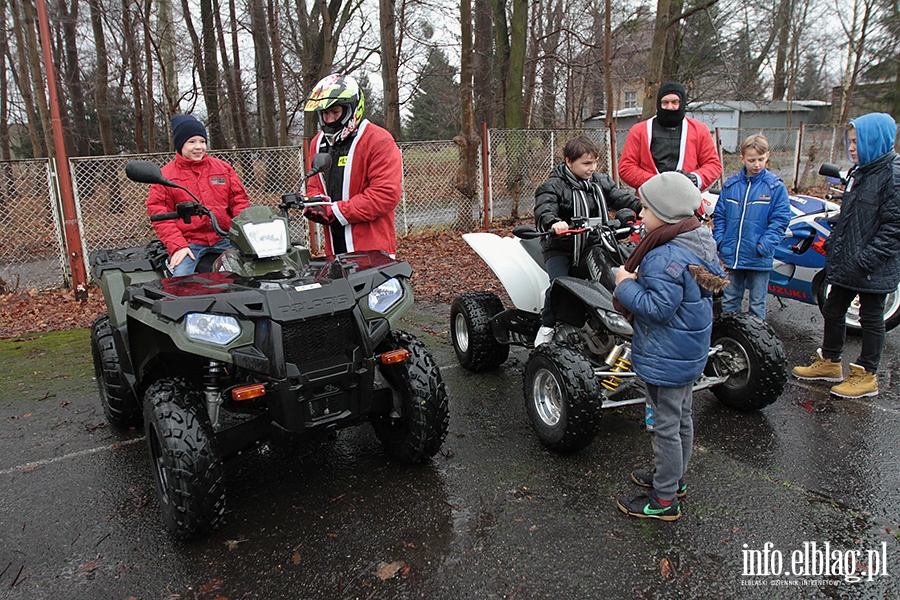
{"points": [[210, 586], [89, 566], [296, 558], [665, 568], [386, 571], [233, 544]]}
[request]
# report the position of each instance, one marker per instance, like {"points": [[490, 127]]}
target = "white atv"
{"points": [[586, 366]]}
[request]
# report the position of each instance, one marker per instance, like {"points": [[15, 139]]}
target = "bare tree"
{"points": [[467, 140], [69, 18], [101, 83], [856, 32], [37, 76], [265, 84], [132, 58]]}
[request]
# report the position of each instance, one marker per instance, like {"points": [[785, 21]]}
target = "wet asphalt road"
{"points": [[495, 515]]}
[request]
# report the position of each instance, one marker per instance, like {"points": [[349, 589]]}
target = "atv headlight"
{"points": [[385, 295], [616, 322], [215, 329], [267, 239]]}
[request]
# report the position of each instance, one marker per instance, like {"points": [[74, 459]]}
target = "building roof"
{"points": [[776, 106]]}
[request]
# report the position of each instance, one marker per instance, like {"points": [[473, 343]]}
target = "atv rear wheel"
{"points": [[470, 329], [891, 309], [186, 463], [562, 398], [752, 358], [418, 433], [120, 405]]}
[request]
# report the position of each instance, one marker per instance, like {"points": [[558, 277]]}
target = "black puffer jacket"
{"points": [[864, 248], [553, 201]]}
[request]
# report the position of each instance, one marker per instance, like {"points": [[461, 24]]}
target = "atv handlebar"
{"points": [[526, 232]]}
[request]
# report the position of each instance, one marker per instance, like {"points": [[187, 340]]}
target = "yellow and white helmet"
{"points": [[337, 90]]}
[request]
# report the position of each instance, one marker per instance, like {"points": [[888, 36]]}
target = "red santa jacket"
{"points": [[370, 193], [698, 154], [215, 184]]}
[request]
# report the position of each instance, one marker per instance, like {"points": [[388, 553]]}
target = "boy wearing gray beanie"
{"points": [[666, 287]]}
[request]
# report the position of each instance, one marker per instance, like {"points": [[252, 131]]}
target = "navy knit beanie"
{"points": [[184, 127]]}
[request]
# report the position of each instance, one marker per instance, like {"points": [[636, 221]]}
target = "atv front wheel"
{"points": [[120, 406], [186, 464], [562, 398], [470, 329], [891, 309], [417, 434], [751, 357]]}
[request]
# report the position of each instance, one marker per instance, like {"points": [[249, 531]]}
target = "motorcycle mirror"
{"points": [[144, 171], [320, 162]]}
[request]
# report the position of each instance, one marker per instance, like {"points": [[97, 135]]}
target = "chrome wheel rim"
{"points": [[547, 397]]}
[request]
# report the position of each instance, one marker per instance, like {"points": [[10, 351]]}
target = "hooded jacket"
{"points": [[671, 300], [554, 201], [749, 220], [863, 250], [215, 184]]}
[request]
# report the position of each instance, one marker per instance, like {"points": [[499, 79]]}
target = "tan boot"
{"points": [[860, 383], [822, 369]]}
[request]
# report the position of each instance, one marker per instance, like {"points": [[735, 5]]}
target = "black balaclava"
{"points": [[670, 118]]}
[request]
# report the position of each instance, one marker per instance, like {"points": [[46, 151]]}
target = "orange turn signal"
{"points": [[395, 356], [248, 392]]}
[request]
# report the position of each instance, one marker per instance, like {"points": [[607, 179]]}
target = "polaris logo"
{"points": [[316, 304]]}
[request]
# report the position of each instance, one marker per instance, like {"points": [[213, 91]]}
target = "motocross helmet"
{"points": [[337, 90]]}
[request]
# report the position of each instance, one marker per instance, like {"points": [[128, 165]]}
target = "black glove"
{"points": [[625, 216], [694, 179], [320, 214]]}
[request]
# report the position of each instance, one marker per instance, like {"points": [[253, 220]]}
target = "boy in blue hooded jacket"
{"points": [[750, 218], [667, 284], [862, 257]]}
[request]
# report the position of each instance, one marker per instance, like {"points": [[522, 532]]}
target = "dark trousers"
{"points": [[557, 266], [668, 418], [871, 321]]}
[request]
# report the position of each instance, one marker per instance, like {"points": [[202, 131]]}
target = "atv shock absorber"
{"points": [[212, 389], [620, 360]]}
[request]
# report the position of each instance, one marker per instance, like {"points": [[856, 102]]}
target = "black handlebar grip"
{"points": [[164, 216]]}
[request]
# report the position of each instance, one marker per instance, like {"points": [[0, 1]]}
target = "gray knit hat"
{"points": [[670, 196]]}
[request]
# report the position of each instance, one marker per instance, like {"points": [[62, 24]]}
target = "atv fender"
{"points": [[523, 279]]}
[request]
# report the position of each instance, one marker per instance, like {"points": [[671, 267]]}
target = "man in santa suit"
{"points": [[670, 142], [366, 176]]}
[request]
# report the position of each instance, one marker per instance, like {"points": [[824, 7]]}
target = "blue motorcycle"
{"points": [[798, 272]]}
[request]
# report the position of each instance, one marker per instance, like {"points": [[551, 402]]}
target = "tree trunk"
{"points": [[228, 73], [783, 23], [150, 115], [69, 18], [856, 47], [467, 173], [265, 87], [167, 64], [549, 77], [515, 118], [656, 67], [101, 85], [501, 45], [210, 76], [389, 66], [242, 127], [134, 65], [23, 81], [278, 72], [37, 76], [483, 67]]}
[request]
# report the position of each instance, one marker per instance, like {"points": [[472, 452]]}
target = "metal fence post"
{"points": [[797, 158], [486, 173]]}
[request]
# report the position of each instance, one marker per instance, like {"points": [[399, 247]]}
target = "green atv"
{"points": [[268, 345]]}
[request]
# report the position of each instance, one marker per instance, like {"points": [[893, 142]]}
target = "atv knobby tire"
{"points": [[891, 309], [186, 464], [470, 329], [753, 358], [419, 432], [120, 405], [562, 397]]}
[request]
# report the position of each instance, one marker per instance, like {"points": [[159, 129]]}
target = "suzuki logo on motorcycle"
{"points": [[332, 301], [783, 291]]}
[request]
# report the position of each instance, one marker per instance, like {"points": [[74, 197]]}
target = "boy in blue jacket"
{"points": [[667, 284], [750, 218]]}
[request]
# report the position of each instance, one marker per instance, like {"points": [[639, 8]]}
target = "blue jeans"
{"points": [[871, 321], [756, 282], [188, 264]]}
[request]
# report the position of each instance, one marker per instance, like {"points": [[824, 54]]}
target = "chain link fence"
{"points": [[111, 210]]}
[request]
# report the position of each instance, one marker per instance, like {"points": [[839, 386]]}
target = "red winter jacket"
{"points": [[217, 186], [698, 154], [370, 193]]}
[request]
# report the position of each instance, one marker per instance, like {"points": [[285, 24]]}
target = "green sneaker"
{"points": [[647, 506], [644, 478]]}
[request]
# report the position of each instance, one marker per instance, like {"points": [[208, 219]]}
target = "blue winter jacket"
{"points": [[750, 218], [672, 306]]}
